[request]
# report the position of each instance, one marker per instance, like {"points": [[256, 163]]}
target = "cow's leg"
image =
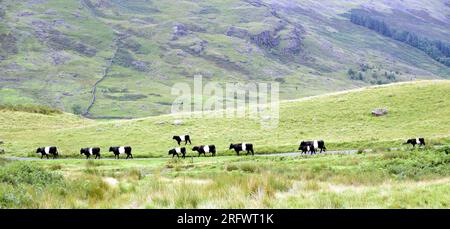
{"points": [[190, 143], [253, 152], [47, 156], [42, 155], [237, 152]]}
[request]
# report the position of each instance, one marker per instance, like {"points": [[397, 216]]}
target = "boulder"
{"points": [[178, 122], [379, 112]]}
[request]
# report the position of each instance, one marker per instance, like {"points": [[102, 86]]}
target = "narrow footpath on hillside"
{"points": [[288, 154], [104, 75]]}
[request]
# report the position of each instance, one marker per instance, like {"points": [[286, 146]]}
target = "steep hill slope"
{"points": [[120, 58], [343, 120]]}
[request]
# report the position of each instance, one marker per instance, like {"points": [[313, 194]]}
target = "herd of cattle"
{"points": [[305, 147]]}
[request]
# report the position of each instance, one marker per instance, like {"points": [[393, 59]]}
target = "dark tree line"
{"points": [[436, 49]]}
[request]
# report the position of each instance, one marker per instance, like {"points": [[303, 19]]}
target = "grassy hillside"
{"points": [[54, 52], [343, 120]]}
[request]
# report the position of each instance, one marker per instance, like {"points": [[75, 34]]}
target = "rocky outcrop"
{"points": [[293, 42], [380, 112], [266, 39], [59, 57], [8, 44], [58, 41], [198, 47], [237, 32], [179, 30]]}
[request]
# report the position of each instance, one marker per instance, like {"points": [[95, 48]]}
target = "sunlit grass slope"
{"points": [[343, 120]]}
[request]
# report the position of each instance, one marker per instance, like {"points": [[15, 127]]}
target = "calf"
{"points": [[117, 150], [313, 146], [242, 147], [205, 149], [178, 150], [91, 151], [182, 138], [416, 141], [48, 150]]}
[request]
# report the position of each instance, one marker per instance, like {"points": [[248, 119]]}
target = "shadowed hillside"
{"points": [[120, 58]]}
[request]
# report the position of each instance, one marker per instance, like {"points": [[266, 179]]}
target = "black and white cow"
{"points": [[91, 151], [48, 150], [117, 150], [416, 141], [306, 148], [182, 138], [205, 149], [177, 151], [242, 147], [312, 146]]}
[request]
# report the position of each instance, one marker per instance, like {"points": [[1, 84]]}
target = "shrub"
{"points": [[20, 173], [30, 108]]}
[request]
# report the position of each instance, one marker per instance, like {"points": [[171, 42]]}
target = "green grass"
{"points": [[39, 109], [415, 179], [343, 121]]}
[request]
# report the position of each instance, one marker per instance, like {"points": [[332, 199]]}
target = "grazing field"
{"points": [[411, 179], [342, 120]]}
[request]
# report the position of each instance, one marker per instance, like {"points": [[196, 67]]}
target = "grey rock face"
{"points": [[379, 112]]}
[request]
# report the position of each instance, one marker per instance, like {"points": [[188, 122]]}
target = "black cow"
{"points": [[205, 149], [117, 150], [182, 138], [416, 141], [48, 150], [176, 151], [242, 147], [312, 146], [306, 148], [91, 151]]}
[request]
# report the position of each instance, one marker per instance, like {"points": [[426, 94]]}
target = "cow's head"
{"points": [[231, 146], [410, 141], [195, 148], [170, 151], [175, 137], [81, 151], [38, 150], [302, 144], [111, 149]]}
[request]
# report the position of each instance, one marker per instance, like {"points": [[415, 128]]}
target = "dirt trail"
{"points": [[288, 154]]}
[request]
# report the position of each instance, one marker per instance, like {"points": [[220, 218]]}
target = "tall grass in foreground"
{"points": [[413, 179]]}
